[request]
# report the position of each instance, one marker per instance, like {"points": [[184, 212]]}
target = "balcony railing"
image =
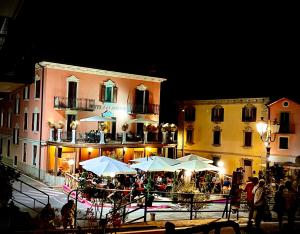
{"points": [[143, 109], [83, 104]]}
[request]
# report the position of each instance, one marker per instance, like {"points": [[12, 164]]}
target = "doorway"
{"points": [[248, 169]]}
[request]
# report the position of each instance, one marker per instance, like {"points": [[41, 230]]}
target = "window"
{"points": [[9, 119], [34, 155], [35, 122], [283, 142], [217, 136], [1, 119], [8, 148], [16, 136], [189, 113], [189, 136], [25, 121], [17, 106], [215, 159], [37, 88], [217, 114], [248, 139], [284, 122], [26, 93], [108, 92], [249, 113], [24, 152]]}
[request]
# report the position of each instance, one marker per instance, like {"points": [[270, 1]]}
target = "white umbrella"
{"points": [[142, 120], [170, 161], [191, 157], [106, 166], [195, 165], [97, 118], [157, 164]]}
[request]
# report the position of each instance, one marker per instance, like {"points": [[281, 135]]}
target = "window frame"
{"points": [[37, 79], [217, 114]]}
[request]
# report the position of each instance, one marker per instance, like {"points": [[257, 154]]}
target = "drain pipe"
{"points": [[41, 118]]}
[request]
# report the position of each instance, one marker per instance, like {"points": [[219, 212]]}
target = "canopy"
{"points": [[170, 161], [191, 157], [98, 118], [195, 165], [157, 164], [142, 120], [106, 166]]}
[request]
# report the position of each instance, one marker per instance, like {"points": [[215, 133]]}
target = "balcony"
{"points": [[82, 104], [142, 109]]}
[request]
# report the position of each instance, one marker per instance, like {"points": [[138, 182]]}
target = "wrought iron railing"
{"points": [[133, 108], [83, 104]]}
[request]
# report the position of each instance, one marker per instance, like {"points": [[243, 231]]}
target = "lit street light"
{"points": [[265, 130]]}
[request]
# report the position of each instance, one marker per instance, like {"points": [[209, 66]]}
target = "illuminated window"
{"points": [[108, 92]]}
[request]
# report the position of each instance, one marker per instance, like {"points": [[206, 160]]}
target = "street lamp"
{"points": [[265, 130]]}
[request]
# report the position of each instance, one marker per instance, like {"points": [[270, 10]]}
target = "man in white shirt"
{"points": [[259, 201]]}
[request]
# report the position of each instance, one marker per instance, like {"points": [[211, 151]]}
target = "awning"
{"points": [[281, 159]]}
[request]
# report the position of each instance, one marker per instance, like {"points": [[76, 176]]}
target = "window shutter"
{"points": [[213, 114], [32, 122], [115, 90], [243, 114], [253, 114], [102, 93], [37, 121], [222, 114]]}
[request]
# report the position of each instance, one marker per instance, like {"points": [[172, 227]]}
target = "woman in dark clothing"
{"points": [[279, 204]]}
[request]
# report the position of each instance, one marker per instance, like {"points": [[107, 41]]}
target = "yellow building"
{"points": [[224, 130]]}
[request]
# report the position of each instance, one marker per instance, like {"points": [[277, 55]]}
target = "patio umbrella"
{"points": [[142, 120], [157, 164], [106, 166], [97, 118], [195, 165], [170, 161], [191, 157]]}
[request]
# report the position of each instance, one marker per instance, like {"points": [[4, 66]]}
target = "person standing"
{"points": [[67, 214], [259, 202], [279, 205], [253, 181], [47, 216], [290, 203]]}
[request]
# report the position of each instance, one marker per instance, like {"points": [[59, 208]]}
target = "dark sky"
{"points": [[202, 54]]}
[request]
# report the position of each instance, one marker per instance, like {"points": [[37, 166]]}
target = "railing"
{"points": [[71, 181], [142, 109], [83, 104]]}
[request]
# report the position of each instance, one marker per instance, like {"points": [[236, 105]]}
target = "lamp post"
{"points": [[265, 130]]}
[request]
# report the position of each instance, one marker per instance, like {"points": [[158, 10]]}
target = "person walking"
{"points": [[67, 214], [279, 205], [259, 202], [253, 181]]}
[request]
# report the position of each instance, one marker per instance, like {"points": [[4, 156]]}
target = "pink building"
{"points": [[36, 134], [286, 147]]}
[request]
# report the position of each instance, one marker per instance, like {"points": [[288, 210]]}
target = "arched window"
{"points": [[217, 114]]}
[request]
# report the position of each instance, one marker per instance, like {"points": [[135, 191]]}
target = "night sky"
{"points": [[202, 55]]}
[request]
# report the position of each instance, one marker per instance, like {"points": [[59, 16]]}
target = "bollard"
{"points": [[152, 216]]}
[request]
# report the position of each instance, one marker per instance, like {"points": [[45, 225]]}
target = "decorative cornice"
{"points": [[262, 100], [99, 72]]}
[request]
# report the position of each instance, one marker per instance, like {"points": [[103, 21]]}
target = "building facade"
{"points": [[286, 147], [40, 128], [224, 130]]}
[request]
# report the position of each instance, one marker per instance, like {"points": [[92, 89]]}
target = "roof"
{"points": [[99, 72]]}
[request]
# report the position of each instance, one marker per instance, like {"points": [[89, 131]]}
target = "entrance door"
{"points": [[72, 94], [248, 169], [70, 118]]}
